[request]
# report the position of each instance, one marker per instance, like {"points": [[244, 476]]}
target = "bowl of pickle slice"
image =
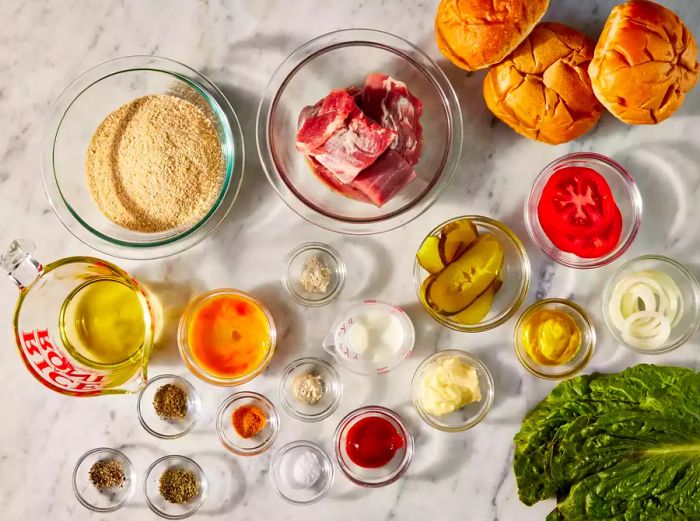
{"points": [[471, 273]]}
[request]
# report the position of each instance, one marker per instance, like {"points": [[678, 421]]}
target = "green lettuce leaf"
{"points": [[616, 447]]}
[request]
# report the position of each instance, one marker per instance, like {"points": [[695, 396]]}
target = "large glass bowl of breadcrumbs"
{"points": [[142, 157]]}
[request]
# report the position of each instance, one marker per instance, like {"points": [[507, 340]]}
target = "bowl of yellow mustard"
{"points": [[554, 339], [452, 390]]}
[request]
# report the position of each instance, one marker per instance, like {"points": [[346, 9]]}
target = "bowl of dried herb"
{"points": [[168, 406], [103, 480], [175, 487]]}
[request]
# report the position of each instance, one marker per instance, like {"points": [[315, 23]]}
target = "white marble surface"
{"points": [[43, 45]]}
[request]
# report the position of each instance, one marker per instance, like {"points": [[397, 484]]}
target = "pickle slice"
{"points": [[457, 286], [429, 255], [455, 238], [480, 307]]}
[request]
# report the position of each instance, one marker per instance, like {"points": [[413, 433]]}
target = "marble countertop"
{"points": [[44, 45]]}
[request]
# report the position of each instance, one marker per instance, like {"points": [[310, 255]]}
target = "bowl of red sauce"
{"points": [[584, 210], [373, 446], [226, 337]]}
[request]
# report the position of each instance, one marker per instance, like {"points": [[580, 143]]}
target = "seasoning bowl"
{"points": [[332, 390], [515, 274], [579, 361], [151, 488], [287, 473], [294, 267], [163, 428], [374, 477], [228, 435], [92, 498], [186, 350], [624, 190], [308, 75], [690, 293], [466, 417], [77, 113]]}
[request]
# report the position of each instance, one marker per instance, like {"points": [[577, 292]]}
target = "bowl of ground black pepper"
{"points": [[142, 157], [175, 487], [168, 406], [103, 480]]}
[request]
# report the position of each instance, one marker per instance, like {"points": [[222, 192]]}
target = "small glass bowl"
{"points": [[390, 472], [469, 415], [108, 500], [157, 426], [282, 472], [515, 275], [690, 291], [184, 346], [332, 387], [308, 75], [228, 435], [151, 488], [624, 190], [294, 267], [578, 362], [79, 110]]}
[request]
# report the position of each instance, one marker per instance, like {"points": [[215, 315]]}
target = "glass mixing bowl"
{"points": [[75, 116], [515, 274], [339, 60]]}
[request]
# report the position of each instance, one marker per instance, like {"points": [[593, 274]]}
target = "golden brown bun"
{"points": [[644, 63], [542, 90], [474, 34]]}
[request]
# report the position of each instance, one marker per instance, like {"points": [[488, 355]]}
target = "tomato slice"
{"points": [[591, 247], [576, 201]]}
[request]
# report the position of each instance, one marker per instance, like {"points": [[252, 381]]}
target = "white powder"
{"points": [[302, 469]]}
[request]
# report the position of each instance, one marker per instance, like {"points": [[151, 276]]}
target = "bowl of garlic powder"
{"points": [[142, 157]]}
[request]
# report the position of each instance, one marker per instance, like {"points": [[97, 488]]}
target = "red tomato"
{"points": [[578, 213]]}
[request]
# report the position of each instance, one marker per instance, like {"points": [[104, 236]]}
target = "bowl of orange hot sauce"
{"points": [[226, 337]]}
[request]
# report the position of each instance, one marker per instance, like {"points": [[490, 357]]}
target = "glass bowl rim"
{"points": [[678, 267], [573, 308], [276, 462], [130, 479], [264, 446], [183, 344], [338, 272], [203, 484], [395, 417], [533, 226], [232, 151], [190, 390], [422, 62], [287, 372], [524, 265], [472, 360]]}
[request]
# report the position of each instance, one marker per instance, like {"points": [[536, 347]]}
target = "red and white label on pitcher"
{"points": [[51, 365]]}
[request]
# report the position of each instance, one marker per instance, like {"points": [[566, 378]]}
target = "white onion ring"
{"points": [[644, 307]]}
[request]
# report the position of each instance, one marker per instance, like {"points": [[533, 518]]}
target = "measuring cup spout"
{"points": [[19, 264], [328, 344]]}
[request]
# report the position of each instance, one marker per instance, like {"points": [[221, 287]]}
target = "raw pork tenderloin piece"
{"points": [[318, 122], [340, 137], [389, 102], [352, 149], [383, 180], [327, 178]]}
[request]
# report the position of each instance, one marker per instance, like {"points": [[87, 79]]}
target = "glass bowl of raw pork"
{"points": [[359, 131]]}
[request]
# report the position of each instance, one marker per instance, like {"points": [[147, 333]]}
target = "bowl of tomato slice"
{"points": [[584, 210]]}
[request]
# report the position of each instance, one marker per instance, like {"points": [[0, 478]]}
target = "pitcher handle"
{"points": [[329, 346], [19, 263]]}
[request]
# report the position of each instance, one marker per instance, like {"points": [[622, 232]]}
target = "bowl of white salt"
{"points": [[142, 157], [302, 472]]}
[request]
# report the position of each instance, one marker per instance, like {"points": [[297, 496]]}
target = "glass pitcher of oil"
{"points": [[82, 325]]}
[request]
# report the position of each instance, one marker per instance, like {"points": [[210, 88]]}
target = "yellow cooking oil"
{"points": [[103, 323]]}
